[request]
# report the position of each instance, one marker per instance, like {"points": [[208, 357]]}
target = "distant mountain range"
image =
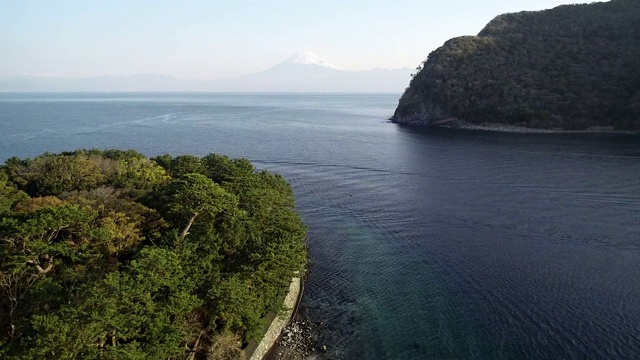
{"points": [[302, 72]]}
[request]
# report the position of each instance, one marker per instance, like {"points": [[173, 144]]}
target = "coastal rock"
{"points": [[298, 341]]}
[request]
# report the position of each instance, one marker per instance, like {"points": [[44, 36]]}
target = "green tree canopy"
{"points": [[103, 255]]}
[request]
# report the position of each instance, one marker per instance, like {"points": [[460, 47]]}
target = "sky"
{"points": [[212, 39]]}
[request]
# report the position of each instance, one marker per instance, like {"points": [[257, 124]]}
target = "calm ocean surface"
{"points": [[453, 245]]}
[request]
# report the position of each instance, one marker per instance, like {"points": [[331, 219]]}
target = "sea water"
{"points": [[425, 243]]}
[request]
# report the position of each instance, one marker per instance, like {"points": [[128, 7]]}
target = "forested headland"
{"points": [[112, 255], [573, 67]]}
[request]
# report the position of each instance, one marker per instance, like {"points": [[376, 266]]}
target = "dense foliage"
{"points": [[111, 255], [571, 67]]}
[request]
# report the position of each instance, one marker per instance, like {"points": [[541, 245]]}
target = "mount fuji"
{"points": [[308, 58], [306, 72]]}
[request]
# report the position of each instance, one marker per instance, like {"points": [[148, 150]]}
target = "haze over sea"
{"points": [[425, 243]]}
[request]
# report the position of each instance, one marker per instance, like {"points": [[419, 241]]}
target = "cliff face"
{"points": [[571, 67]]}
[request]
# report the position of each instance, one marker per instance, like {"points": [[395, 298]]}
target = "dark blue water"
{"points": [[426, 244]]}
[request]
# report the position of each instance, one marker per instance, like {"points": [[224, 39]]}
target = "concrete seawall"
{"points": [[278, 323]]}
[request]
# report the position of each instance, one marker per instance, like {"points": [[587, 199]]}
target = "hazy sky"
{"points": [[210, 39]]}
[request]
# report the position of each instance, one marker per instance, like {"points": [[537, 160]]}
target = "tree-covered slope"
{"points": [[571, 67], [111, 255]]}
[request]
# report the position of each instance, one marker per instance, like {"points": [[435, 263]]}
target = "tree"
{"points": [[32, 247], [9, 194], [193, 196], [140, 312], [180, 165]]}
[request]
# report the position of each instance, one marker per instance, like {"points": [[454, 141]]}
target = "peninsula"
{"points": [[574, 67]]}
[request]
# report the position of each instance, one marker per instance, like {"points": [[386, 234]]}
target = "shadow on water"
{"points": [[538, 234]]}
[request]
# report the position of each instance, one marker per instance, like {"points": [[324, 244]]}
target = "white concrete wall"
{"points": [[279, 323]]}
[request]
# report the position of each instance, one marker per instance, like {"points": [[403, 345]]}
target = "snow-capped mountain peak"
{"points": [[308, 58]]}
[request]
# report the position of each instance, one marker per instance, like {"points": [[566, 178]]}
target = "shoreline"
{"points": [[525, 130], [507, 128], [278, 323], [300, 339]]}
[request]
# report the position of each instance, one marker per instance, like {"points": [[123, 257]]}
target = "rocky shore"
{"points": [[525, 130], [463, 125], [300, 340]]}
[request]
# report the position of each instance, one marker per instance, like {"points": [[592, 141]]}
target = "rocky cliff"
{"points": [[573, 67]]}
